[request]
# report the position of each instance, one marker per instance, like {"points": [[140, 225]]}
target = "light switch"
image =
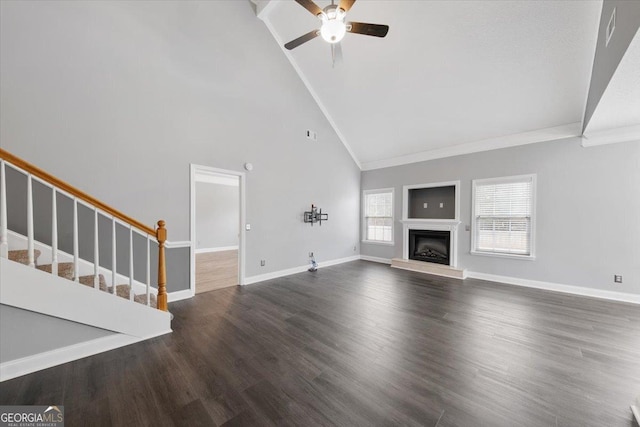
{"points": [[247, 227], [441, 205], [425, 205]]}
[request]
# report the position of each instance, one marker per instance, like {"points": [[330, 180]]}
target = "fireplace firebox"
{"points": [[430, 246]]}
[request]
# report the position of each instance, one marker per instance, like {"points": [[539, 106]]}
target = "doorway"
{"points": [[217, 238]]}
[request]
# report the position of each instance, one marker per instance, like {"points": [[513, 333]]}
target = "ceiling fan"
{"points": [[334, 27]]}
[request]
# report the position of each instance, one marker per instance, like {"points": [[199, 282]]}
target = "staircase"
{"points": [[37, 277], [66, 270]]}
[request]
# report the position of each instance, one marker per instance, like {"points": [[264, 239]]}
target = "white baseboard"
{"points": [[48, 359], [557, 287], [375, 259], [220, 249], [281, 273], [179, 295]]}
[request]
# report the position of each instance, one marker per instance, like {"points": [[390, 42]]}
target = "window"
{"points": [[503, 216], [378, 215]]}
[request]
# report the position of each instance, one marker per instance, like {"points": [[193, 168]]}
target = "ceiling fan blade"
{"points": [[310, 6], [346, 4], [302, 39], [336, 54], [376, 30]]}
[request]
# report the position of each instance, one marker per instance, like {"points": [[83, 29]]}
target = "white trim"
{"points": [[611, 136], [505, 179], [220, 249], [541, 135], [265, 18], [377, 242], [558, 287], [177, 244], [281, 273], [364, 208], [180, 295], [375, 259], [37, 362], [504, 255], [194, 171], [405, 199]]}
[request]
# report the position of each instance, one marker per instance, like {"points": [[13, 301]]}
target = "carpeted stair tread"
{"points": [[65, 269], [22, 256], [123, 292], [88, 281]]}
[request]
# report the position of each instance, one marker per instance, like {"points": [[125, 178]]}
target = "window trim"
{"points": [[504, 180], [364, 218]]}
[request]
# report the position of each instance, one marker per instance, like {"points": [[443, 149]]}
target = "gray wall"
{"points": [[607, 58], [588, 207], [24, 333], [217, 215], [122, 106]]}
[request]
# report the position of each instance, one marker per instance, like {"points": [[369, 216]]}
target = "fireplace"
{"points": [[430, 246]]}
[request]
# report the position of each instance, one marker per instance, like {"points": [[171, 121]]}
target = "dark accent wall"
{"points": [[433, 197]]}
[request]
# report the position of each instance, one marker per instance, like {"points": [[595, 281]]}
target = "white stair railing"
{"points": [[59, 187]]}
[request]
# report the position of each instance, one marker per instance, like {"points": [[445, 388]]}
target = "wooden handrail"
{"points": [[36, 171], [160, 234]]}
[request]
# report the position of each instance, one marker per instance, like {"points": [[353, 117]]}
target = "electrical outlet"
{"points": [[355, 248], [617, 278], [262, 263], [441, 205], [310, 254], [424, 205]]}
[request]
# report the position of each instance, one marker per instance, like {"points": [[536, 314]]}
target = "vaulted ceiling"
{"points": [[450, 77]]}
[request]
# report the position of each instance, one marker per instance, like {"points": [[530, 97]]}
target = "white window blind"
{"points": [[378, 216], [503, 215]]}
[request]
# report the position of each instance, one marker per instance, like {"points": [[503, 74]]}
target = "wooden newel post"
{"points": [[161, 235]]}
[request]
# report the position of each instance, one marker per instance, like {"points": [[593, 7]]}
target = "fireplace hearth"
{"points": [[430, 246]]}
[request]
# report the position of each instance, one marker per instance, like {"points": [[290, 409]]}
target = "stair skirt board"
{"points": [[18, 242], [37, 362], [33, 290]]}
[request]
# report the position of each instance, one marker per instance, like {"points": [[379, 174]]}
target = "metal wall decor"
{"points": [[315, 215]]}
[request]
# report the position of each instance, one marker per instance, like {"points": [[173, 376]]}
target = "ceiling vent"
{"points": [[611, 26]]}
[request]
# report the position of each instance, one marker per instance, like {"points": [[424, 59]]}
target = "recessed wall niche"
{"points": [[432, 203]]}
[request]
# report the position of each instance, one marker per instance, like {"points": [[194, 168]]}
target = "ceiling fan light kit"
{"points": [[334, 27]]}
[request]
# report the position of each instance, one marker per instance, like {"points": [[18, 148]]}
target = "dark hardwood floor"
{"points": [[362, 344]]}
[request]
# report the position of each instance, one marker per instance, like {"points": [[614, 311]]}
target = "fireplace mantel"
{"points": [[450, 225]]}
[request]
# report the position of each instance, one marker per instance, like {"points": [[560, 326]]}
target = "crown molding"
{"points": [[611, 136], [540, 135]]}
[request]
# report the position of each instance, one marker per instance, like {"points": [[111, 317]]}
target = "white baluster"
{"points": [[113, 255], [30, 243], [130, 263], [4, 241], [96, 252], [76, 248], [54, 232], [148, 270]]}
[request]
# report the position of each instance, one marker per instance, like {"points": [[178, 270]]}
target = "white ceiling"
{"points": [[619, 106], [450, 77]]}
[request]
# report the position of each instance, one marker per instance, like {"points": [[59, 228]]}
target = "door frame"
{"points": [[200, 170]]}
